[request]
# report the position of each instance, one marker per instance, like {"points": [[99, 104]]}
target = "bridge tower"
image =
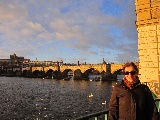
{"points": [[148, 28]]}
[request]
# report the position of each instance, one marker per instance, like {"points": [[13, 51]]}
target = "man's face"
{"points": [[130, 74]]}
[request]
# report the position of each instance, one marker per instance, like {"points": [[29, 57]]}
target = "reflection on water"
{"points": [[120, 77], [38, 99]]}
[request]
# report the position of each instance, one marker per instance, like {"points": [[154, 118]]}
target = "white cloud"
{"points": [[31, 28]]}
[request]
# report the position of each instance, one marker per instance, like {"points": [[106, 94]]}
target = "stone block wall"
{"points": [[148, 28]]}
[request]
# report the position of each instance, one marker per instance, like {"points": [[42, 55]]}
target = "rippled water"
{"points": [[38, 99]]}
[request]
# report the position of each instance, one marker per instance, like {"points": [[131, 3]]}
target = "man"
{"points": [[131, 100]]}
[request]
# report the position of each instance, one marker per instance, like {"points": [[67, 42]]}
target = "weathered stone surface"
{"points": [[148, 28]]}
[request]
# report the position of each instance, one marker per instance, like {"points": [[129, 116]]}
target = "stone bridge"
{"points": [[78, 71], [83, 68], [63, 71]]}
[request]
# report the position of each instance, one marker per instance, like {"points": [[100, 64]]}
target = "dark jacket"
{"points": [[132, 104]]}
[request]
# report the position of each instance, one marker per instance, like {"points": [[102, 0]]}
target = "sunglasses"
{"points": [[132, 73]]}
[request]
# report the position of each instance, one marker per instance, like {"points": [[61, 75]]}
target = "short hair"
{"points": [[130, 64]]}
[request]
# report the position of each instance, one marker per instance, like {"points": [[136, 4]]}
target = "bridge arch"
{"points": [[90, 71], [65, 72], [26, 73], [35, 73], [118, 72], [115, 67], [17, 73]]}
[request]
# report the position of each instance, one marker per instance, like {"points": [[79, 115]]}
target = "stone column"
{"points": [[148, 28]]}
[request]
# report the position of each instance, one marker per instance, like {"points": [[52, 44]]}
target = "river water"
{"points": [[49, 99]]}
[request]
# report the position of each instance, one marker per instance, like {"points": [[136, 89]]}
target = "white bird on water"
{"points": [[104, 103], [91, 95]]}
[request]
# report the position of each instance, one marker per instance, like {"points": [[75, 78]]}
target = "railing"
{"points": [[103, 115], [157, 101], [154, 87], [95, 116]]}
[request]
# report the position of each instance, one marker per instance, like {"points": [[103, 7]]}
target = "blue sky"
{"points": [[69, 30]]}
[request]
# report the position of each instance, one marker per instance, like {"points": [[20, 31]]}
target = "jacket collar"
{"points": [[131, 86]]}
